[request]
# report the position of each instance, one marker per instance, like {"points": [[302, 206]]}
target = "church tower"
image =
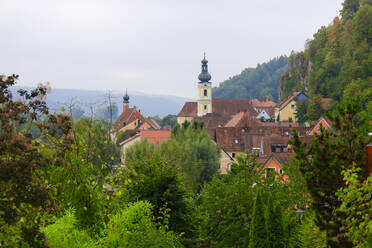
{"points": [[204, 90], [125, 101]]}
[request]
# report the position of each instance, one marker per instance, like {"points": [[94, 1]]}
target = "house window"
{"points": [[233, 154], [280, 171], [270, 172], [236, 141], [205, 93], [292, 106], [205, 107], [124, 124]]}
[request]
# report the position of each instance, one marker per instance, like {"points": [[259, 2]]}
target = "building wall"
{"points": [[181, 120], [288, 111], [125, 146], [130, 126], [235, 154], [225, 162]]}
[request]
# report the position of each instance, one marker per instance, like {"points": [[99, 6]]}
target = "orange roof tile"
{"points": [[262, 103], [156, 137]]}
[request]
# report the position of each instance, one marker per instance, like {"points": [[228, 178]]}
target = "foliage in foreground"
{"points": [[132, 226], [356, 204], [226, 207], [323, 163]]}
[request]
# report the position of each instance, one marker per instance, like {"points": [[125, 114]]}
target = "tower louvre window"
{"points": [[205, 93], [205, 107]]}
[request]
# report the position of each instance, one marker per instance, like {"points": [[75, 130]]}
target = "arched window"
{"points": [[205, 93]]}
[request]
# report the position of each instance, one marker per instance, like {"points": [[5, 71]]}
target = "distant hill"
{"points": [[259, 82], [149, 105]]}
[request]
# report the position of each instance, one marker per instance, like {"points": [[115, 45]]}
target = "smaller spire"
{"points": [[126, 97]]}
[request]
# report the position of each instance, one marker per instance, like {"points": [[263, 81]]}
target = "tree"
{"points": [[23, 196], [169, 120], [350, 7], [193, 151], [356, 205], [301, 111], [274, 224], [148, 176], [132, 226], [258, 232], [97, 146], [314, 109], [323, 163]]}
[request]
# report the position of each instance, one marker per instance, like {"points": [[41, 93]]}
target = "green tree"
{"points": [[193, 151], [95, 144], [350, 7], [314, 109], [169, 120], [301, 111], [356, 205], [258, 233], [274, 224], [323, 163], [149, 176], [132, 226], [259, 82], [121, 137]]}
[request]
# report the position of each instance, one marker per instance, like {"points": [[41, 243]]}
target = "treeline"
{"points": [[259, 82], [337, 62]]}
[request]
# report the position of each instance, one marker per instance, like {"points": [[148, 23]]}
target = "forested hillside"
{"points": [[259, 82], [337, 62]]}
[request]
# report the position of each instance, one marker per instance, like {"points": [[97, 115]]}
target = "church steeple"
{"points": [[204, 76], [125, 100], [205, 90]]}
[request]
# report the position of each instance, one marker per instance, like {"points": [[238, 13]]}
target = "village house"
{"points": [[131, 120], [286, 110], [154, 136]]}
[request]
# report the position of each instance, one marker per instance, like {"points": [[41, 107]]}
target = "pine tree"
{"points": [[274, 223], [322, 164], [258, 231]]}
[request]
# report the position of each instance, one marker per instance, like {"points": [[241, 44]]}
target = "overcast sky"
{"points": [[152, 46]]}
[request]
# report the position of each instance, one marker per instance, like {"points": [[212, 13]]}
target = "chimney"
{"points": [[369, 157]]}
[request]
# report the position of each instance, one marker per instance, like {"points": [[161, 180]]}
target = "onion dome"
{"points": [[204, 76], [126, 97]]}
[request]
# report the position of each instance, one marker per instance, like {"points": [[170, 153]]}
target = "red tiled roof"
{"points": [[262, 103], [242, 119], [220, 107], [190, 109], [153, 123], [232, 106], [156, 137], [130, 114]]}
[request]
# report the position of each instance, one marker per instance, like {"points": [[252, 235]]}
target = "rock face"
{"points": [[297, 76]]}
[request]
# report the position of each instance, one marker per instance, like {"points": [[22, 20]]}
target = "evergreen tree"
{"points": [[323, 163], [301, 109], [258, 231], [274, 223]]}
